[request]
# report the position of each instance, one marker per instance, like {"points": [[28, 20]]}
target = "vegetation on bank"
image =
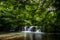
{"points": [[18, 13]]}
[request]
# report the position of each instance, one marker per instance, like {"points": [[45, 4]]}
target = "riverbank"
{"points": [[12, 36]]}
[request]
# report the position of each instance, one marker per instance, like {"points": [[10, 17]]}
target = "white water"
{"points": [[30, 28], [27, 31]]}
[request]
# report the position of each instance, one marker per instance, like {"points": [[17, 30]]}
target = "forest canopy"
{"points": [[14, 13]]}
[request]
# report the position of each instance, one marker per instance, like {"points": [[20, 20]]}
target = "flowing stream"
{"points": [[32, 33]]}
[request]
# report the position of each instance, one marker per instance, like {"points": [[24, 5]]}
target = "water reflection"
{"points": [[33, 36], [38, 36]]}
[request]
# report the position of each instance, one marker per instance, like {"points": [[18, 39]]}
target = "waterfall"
{"points": [[30, 28], [38, 30], [25, 32], [32, 33], [25, 28]]}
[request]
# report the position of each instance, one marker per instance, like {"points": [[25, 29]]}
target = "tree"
{"points": [[14, 13]]}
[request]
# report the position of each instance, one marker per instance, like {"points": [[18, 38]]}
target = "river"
{"points": [[38, 36]]}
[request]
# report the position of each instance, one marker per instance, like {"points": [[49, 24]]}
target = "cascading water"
{"points": [[30, 28], [32, 31], [27, 31], [38, 31]]}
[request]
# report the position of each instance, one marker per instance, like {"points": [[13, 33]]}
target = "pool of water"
{"points": [[39, 36]]}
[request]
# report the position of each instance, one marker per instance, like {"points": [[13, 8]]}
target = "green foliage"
{"points": [[14, 13]]}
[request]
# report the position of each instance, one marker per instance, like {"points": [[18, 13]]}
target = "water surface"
{"points": [[40, 36]]}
